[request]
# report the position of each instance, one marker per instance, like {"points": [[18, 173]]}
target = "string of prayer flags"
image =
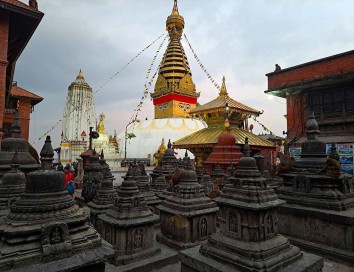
{"points": [[101, 87], [213, 81]]}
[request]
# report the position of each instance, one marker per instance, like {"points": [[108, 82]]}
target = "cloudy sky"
{"points": [[241, 39]]}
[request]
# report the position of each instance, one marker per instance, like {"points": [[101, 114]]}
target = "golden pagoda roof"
{"points": [[209, 137], [220, 102]]}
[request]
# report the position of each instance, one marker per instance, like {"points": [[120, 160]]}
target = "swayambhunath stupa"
{"points": [[252, 175]]}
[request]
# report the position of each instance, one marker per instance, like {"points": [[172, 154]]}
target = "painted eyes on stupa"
{"points": [[182, 106]]}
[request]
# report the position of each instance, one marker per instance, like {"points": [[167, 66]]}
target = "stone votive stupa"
{"points": [[137, 173], [12, 186], [248, 239], [46, 231], [93, 177], [106, 195], [187, 217], [16, 144], [129, 226], [319, 210], [167, 165]]}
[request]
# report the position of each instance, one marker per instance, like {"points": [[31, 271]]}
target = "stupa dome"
{"points": [[149, 133]]}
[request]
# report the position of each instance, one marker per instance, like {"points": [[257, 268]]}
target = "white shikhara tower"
{"points": [[79, 116]]}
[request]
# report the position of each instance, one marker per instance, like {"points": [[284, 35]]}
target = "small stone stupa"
{"points": [[46, 231], [167, 165], [106, 194], [248, 238], [137, 172], [129, 226], [187, 217], [319, 210], [93, 176], [15, 143], [12, 186]]}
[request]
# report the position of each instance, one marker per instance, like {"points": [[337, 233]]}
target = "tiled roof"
{"points": [[20, 92], [209, 137], [19, 4], [220, 102]]}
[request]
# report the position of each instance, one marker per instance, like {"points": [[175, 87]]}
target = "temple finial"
{"points": [[175, 8], [246, 148], [80, 75], [223, 90]]}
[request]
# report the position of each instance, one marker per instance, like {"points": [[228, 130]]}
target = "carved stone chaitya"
{"points": [[93, 177], [187, 217], [167, 165], [206, 183], [137, 172], [12, 186], [248, 238], [319, 210], [106, 194], [15, 143], [46, 231], [129, 226]]}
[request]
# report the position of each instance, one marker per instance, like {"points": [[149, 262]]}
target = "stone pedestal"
{"points": [[319, 211], [46, 231], [187, 217], [248, 238], [129, 226]]}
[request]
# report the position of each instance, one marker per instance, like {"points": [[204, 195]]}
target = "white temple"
{"points": [[173, 97], [79, 116]]}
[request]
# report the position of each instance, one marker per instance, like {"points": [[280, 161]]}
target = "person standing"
{"points": [[69, 181]]}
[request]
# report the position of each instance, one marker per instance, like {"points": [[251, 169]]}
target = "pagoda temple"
{"points": [[174, 96], [201, 143]]}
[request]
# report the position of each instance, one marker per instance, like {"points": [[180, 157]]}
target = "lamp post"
{"points": [[128, 136]]}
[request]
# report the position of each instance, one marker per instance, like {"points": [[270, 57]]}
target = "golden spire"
{"points": [[175, 8], [223, 90], [175, 22], [175, 76], [100, 126]]}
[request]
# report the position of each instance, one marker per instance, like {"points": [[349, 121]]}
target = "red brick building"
{"points": [[325, 86], [18, 22]]}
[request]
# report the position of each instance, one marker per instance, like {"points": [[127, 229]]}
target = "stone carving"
{"points": [[45, 225], [316, 196], [92, 178], [187, 217], [302, 184], [131, 223], [138, 238], [203, 228], [55, 238], [249, 242]]}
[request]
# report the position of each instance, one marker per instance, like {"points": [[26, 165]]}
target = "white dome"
{"points": [[149, 134]]}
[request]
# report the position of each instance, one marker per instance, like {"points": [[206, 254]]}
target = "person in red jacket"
{"points": [[69, 177]]}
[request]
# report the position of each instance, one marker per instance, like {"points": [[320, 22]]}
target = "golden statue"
{"points": [[100, 126], [160, 151]]}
